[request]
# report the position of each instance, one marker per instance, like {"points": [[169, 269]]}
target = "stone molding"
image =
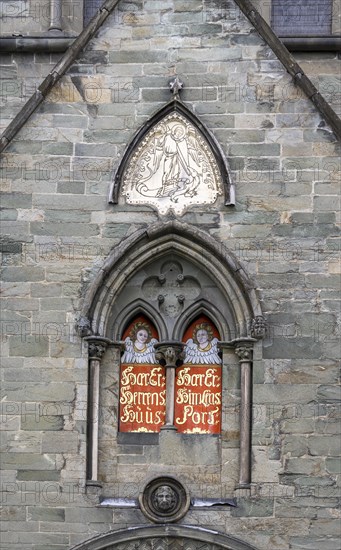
{"points": [[165, 532], [200, 248]]}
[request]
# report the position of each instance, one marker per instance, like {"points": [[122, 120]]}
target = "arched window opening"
{"points": [[187, 297], [142, 397], [198, 381]]}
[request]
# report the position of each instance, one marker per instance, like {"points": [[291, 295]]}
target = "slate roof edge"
{"points": [[57, 72], [290, 64]]}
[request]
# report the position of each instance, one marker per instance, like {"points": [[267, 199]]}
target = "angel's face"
{"points": [[142, 336], [202, 337]]}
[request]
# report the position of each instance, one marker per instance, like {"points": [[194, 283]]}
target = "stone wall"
{"points": [[58, 228]]}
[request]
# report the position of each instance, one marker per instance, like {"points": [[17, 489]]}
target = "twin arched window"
{"points": [[143, 386]]}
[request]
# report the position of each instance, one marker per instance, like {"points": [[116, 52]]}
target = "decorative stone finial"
{"points": [[175, 87]]}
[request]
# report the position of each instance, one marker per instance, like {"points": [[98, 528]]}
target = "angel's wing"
{"points": [[193, 148], [146, 356], [128, 355], [191, 352], [150, 352], [211, 356], [197, 356]]}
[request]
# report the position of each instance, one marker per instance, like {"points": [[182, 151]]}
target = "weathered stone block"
{"points": [[75, 187], [45, 514], [295, 445], [253, 507], [307, 466], [188, 451], [29, 345], [23, 274], [253, 150], [329, 393], [333, 465], [324, 445], [53, 391], [42, 423], [28, 461], [60, 442], [91, 515], [38, 475]]}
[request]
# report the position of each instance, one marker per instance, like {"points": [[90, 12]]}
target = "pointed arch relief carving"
{"points": [[164, 537], [172, 163], [171, 288]]}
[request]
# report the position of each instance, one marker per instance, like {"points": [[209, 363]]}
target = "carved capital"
{"points": [[97, 347], [258, 327], [170, 354], [244, 352]]}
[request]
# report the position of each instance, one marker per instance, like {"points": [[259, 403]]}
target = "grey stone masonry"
{"points": [[58, 229]]}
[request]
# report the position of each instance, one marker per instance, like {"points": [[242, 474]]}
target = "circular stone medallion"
{"points": [[164, 499]]}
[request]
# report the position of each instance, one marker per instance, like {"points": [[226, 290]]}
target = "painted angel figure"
{"points": [[202, 349], [139, 345]]}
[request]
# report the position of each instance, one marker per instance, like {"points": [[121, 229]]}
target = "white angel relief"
{"points": [[202, 349], [172, 168], [139, 346]]}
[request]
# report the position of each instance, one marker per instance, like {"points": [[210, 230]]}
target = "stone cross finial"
{"points": [[176, 86]]}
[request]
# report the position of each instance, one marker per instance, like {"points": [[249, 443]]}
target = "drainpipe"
{"points": [[56, 16]]}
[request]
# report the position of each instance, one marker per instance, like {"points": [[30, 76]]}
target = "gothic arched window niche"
{"points": [[171, 321], [142, 397], [198, 382]]}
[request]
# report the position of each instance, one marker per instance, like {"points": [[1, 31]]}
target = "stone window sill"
{"points": [[312, 43]]}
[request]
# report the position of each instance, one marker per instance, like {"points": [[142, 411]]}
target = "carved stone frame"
{"points": [[239, 291]]}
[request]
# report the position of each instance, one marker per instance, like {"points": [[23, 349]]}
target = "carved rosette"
{"points": [[258, 327], [164, 499]]}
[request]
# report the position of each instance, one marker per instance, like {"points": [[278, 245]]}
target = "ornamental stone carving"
{"points": [[96, 350], [84, 326], [172, 168], [244, 353], [258, 327], [170, 354], [171, 288], [164, 499], [173, 162]]}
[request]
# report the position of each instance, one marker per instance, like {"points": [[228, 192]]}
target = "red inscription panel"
{"points": [[198, 381], [142, 380], [198, 399], [142, 398]]}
